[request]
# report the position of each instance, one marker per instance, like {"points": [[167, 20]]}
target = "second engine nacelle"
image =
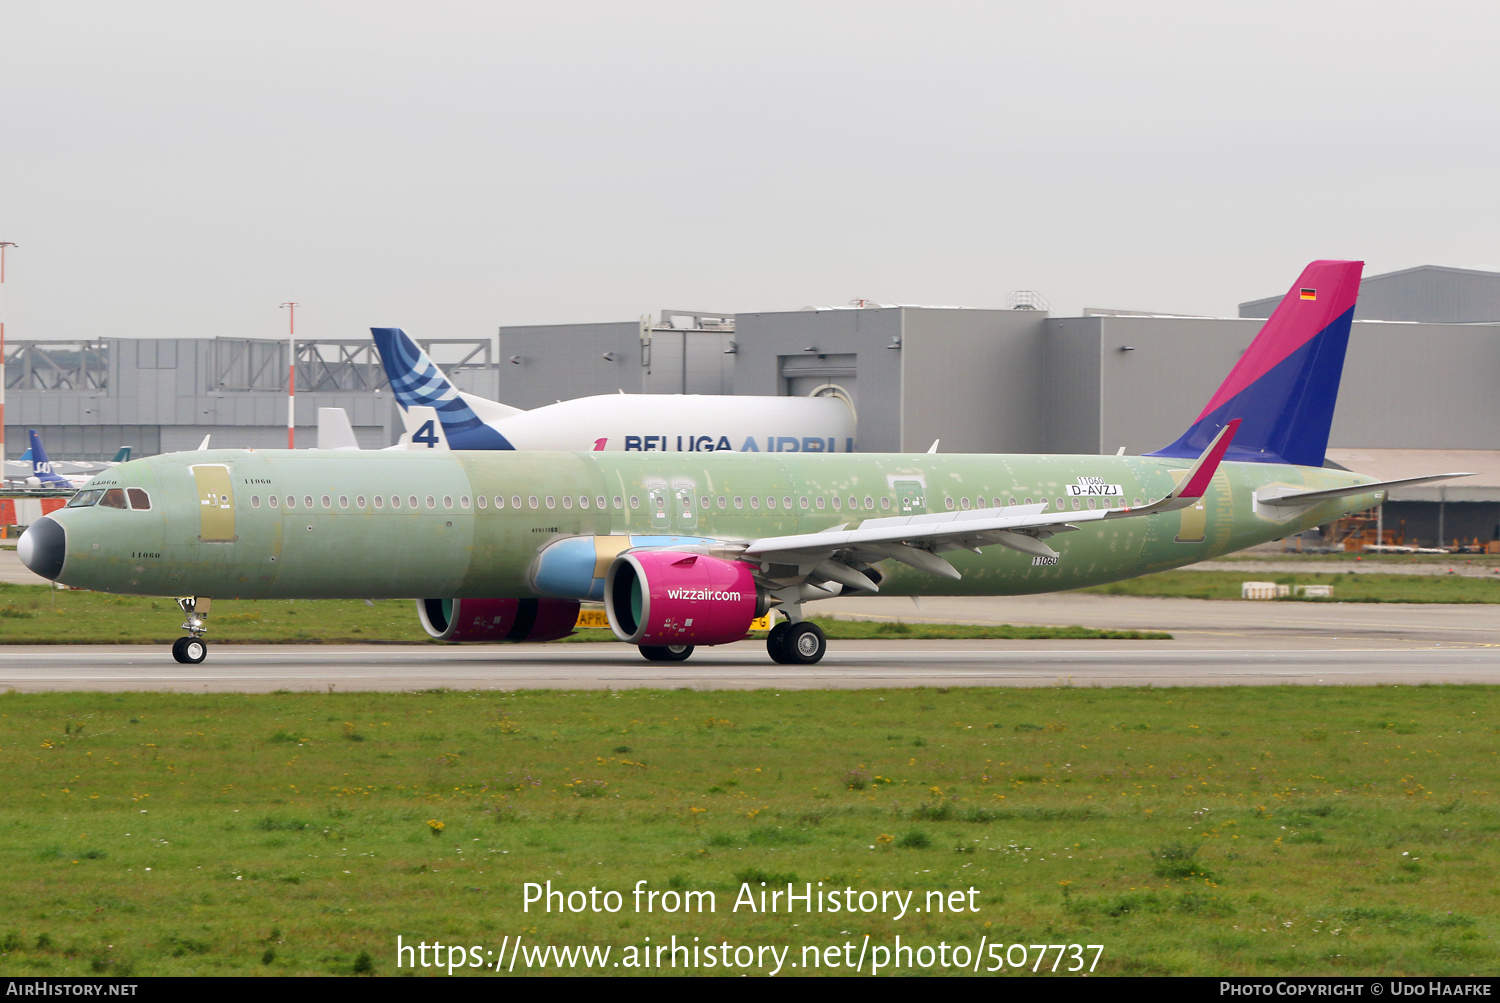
{"points": [[665, 597], [497, 619]]}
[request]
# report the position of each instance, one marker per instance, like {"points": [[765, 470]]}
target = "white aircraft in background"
{"points": [[439, 415], [21, 468]]}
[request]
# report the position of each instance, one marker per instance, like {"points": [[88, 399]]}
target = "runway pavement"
{"points": [[1229, 644], [1215, 643]]}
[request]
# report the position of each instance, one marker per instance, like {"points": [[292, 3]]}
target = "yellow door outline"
{"points": [[1194, 525], [215, 503]]}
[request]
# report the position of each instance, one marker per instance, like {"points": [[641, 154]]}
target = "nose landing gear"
{"points": [[192, 649]]}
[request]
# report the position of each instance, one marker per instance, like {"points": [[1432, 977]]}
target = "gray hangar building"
{"points": [[1415, 398]]}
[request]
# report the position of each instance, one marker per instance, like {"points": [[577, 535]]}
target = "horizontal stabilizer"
{"points": [[1287, 497]]}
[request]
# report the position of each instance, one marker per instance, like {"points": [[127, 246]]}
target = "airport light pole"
{"points": [[3, 245], [291, 375]]}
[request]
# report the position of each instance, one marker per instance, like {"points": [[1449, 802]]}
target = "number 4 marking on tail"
{"points": [[426, 434]]}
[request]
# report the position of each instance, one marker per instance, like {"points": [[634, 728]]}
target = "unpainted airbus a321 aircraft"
{"points": [[687, 549]]}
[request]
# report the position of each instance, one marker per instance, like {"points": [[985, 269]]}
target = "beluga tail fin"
{"points": [[418, 382]]}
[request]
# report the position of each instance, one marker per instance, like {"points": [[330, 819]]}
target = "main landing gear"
{"points": [[800, 643], [666, 652], [192, 649]]}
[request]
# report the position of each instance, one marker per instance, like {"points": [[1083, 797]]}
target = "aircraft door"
{"points": [[1194, 525], [911, 496], [656, 501], [685, 503], [215, 503]]}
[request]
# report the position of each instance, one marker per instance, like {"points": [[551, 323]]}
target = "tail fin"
{"points": [[41, 467], [122, 455], [418, 382], [334, 430], [1283, 389]]}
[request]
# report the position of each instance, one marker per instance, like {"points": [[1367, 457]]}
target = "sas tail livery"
{"points": [[686, 548]]}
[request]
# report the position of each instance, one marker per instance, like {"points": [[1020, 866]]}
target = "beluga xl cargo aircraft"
{"points": [[687, 549], [438, 415]]}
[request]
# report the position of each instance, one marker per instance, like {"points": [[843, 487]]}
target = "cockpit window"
{"points": [[114, 498], [139, 500], [84, 499]]}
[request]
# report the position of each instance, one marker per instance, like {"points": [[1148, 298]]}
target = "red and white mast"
{"points": [[291, 375]]}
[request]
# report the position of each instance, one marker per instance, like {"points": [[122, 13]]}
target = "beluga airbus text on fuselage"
{"points": [[687, 548]]}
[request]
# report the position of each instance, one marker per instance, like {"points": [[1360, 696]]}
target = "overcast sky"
{"points": [[180, 169]]}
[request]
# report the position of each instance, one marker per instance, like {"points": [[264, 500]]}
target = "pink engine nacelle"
{"points": [[498, 619], [665, 597]]}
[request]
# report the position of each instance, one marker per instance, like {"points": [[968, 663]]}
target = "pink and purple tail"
{"points": [[1285, 386]]}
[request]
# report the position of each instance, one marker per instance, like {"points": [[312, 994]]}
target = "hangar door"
{"points": [[804, 375]]}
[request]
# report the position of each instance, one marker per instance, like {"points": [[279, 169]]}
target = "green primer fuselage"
{"points": [[324, 544]]}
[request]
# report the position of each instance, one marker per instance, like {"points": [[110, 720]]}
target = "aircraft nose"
{"points": [[43, 547]]}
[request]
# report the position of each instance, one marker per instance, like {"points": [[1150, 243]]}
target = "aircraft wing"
{"points": [[917, 540]]}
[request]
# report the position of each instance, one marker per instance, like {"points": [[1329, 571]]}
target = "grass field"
{"points": [[1347, 587], [38, 614], [1205, 831]]}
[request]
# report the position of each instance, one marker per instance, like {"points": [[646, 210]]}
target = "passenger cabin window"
{"points": [[395, 501], [255, 501], [139, 500]]}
